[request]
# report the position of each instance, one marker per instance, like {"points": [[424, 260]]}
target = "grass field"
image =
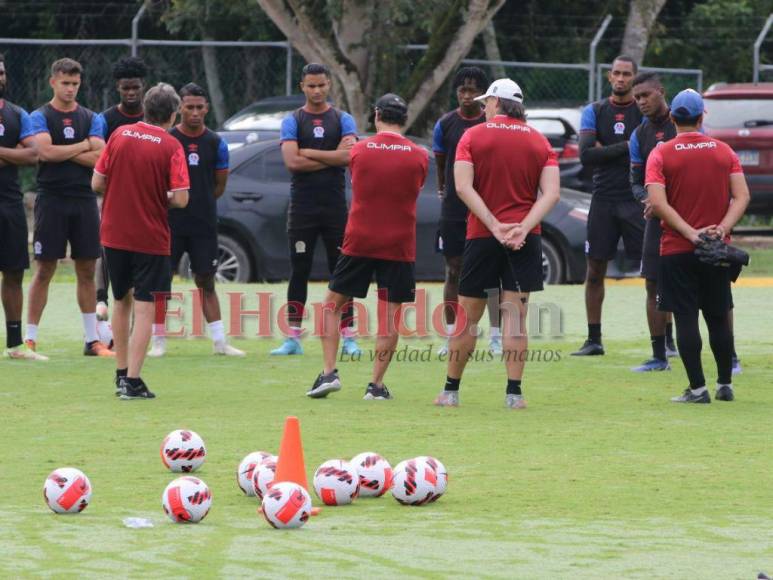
{"points": [[601, 477]]}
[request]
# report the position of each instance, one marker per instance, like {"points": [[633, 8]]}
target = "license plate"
{"points": [[749, 158]]}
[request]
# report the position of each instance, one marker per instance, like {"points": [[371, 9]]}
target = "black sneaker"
{"points": [[671, 350], [130, 392], [689, 397], [325, 384], [376, 393], [590, 348], [724, 393], [118, 388]]}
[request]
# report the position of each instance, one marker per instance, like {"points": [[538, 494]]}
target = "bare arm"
{"points": [[23, 154], [296, 163], [178, 198], [337, 158], [90, 157], [592, 153], [440, 163], [550, 194], [221, 178], [739, 193], [51, 153], [98, 182]]}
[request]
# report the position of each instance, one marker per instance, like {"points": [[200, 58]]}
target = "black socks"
{"points": [[594, 333], [12, 333], [513, 386], [452, 384]]}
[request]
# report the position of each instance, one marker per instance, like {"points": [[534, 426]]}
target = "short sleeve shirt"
{"points": [[15, 127]]}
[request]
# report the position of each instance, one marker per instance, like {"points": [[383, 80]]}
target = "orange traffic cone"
{"points": [[290, 466]]}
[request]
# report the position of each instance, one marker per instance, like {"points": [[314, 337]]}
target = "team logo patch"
{"points": [[319, 132], [300, 247], [619, 128], [38, 248], [69, 133], [2, 129], [193, 159], [587, 247]]}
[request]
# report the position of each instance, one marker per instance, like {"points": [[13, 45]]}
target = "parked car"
{"points": [[741, 115], [265, 114], [252, 232]]}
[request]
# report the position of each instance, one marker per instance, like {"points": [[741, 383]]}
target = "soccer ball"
{"points": [[187, 500], [414, 482], [183, 451], [262, 477], [67, 490], [247, 467], [336, 482], [375, 474], [442, 475], [286, 505]]}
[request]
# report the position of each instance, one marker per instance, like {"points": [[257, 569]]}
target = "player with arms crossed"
{"points": [[500, 167], [138, 249], [194, 227], [69, 139], [388, 172], [17, 147], [697, 187]]}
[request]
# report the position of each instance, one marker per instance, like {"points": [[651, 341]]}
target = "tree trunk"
{"points": [[216, 98], [492, 49], [642, 15]]}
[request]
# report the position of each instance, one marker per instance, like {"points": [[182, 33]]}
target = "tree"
{"points": [[642, 15], [361, 42]]}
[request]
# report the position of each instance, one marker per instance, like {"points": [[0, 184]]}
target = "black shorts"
{"points": [[14, 251], [303, 241], [59, 220], [650, 257], [488, 264], [202, 252], [396, 280], [148, 274], [451, 238], [608, 221], [686, 285]]}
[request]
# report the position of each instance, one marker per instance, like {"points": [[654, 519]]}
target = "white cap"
{"points": [[503, 89]]}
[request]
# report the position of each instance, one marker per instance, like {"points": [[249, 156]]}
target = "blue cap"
{"points": [[687, 104]]}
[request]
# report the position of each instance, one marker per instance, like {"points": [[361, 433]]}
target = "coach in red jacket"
{"points": [[696, 186], [142, 173]]}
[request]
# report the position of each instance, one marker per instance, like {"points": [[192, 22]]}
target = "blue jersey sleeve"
{"points": [[289, 129], [104, 125], [437, 139], [39, 124], [348, 126], [98, 126], [634, 152], [222, 156], [588, 119], [26, 125]]}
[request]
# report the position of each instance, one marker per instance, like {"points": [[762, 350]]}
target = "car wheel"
{"points": [[552, 263], [233, 262]]}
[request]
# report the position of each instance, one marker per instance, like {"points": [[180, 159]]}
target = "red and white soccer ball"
{"points": [[414, 482], [187, 500], [262, 477], [440, 471], [336, 482], [246, 469], [183, 451], [374, 472], [67, 490], [286, 505]]}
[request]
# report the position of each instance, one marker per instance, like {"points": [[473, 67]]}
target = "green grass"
{"points": [[601, 477]]}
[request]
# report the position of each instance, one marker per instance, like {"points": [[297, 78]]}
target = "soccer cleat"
{"points": [[31, 344], [724, 393], [447, 399], [737, 370], [102, 311], [129, 392], [226, 349], [653, 364], [495, 346], [689, 397], [324, 385], [289, 346], [376, 393], [349, 347], [513, 401], [443, 350], [96, 348], [671, 351], [23, 352], [590, 348], [157, 347]]}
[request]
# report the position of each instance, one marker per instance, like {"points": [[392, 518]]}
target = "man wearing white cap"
{"points": [[500, 167]]}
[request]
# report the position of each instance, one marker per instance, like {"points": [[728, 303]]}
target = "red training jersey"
{"points": [[142, 163], [508, 157], [388, 172], [695, 170]]}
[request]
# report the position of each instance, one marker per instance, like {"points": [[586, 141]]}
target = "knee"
{"points": [[45, 271], [13, 279], [652, 289], [205, 282], [85, 271], [453, 270]]}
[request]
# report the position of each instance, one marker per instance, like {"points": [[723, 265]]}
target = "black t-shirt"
{"points": [[114, 118], [205, 154], [15, 126], [448, 130], [611, 124], [67, 178]]}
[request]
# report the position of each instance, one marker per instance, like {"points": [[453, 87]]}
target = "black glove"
{"points": [[715, 252]]}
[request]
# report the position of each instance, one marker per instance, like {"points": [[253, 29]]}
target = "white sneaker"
{"points": [[102, 312], [443, 350], [227, 350], [157, 347], [22, 352]]}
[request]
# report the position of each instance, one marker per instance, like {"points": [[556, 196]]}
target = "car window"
{"points": [[252, 169], [547, 126], [736, 113], [275, 169]]}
